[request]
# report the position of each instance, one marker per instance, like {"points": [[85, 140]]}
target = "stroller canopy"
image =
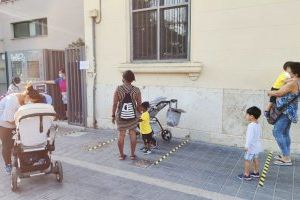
{"points": [[33, 121], [31, 109]]}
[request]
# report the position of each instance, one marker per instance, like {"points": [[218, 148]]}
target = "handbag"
{"points": [[276, 112]]}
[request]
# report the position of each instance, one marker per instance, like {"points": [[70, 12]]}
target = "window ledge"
{"points": [[191, 69], [29, 37]]}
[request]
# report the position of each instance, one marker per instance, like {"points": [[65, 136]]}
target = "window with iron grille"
{"points": [[16, 68], [160, 29], [33, 69], [31, 28]]}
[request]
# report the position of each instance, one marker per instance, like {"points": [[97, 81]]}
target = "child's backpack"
{"points": [[127, 107]]}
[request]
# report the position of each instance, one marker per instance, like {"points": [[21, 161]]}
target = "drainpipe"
{"points": [[96, 19]]}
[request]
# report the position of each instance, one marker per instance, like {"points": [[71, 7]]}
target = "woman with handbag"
{"points": [[288, 98]]}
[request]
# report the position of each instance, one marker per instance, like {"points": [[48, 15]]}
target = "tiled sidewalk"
{"points": [[200, 168]]}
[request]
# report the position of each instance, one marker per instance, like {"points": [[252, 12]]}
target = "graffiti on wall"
{"points": [[17, 57]]}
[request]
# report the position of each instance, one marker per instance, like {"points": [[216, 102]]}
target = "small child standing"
{"points": [[282, 78], [253, 144], [145, 128]]}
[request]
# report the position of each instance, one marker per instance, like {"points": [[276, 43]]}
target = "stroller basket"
{"points": [[173, 116]]}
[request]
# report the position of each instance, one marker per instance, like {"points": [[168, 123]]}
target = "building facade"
{"points": [[28, 27], [217, 58]]}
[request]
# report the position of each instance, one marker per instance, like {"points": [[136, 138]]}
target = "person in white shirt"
{"points": [[8, 106], [15, 86], [253, 144]]}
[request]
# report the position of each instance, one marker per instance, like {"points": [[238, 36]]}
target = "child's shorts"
{"points": [[272, 98], [250, 156], [147, 137]]}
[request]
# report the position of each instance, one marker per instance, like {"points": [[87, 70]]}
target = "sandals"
{"points": [[278, 157], [122, 157], [282, 163], [133, 157]]}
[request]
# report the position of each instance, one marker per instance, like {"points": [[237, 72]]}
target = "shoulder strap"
{"points": [[130, 90]]}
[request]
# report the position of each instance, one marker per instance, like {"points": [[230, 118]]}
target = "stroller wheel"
{"points": [[59, 171], [166, 135], [14, 179]]}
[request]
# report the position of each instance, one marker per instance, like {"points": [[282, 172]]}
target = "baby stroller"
{"points": [[33, 144], [173, 116]]}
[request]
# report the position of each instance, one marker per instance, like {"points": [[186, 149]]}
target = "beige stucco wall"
{"points": [[241, 45], [65, 23]]}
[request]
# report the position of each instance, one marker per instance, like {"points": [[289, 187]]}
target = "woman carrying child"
{"points": [[282, 79], [288, 97]]}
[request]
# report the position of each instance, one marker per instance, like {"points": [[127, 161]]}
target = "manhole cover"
{"points": [[143, 163]]}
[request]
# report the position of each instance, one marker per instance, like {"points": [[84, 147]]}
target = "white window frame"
{"points": [[32, 28]]}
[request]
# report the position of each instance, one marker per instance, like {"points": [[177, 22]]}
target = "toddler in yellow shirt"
{"points": [[279, 82], [145, 128]]}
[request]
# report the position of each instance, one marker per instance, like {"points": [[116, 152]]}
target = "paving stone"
{"points": [[263, 196], [230, 190], [282, 194], [246, 195], [199, 165]]}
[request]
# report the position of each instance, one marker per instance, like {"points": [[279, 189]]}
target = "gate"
{"points": [[76, 83], [54, 60]]}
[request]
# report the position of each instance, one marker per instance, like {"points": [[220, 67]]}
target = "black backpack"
{"points": [[127, 107]]}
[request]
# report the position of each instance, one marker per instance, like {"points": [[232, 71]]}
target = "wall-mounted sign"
{"points": [[18, 57], [84, 65]]}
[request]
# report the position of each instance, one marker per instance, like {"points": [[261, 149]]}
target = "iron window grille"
{"points": [[160, 29]]}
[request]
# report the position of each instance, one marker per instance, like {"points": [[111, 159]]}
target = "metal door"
{"points": [[54, 60], [76, 86]]}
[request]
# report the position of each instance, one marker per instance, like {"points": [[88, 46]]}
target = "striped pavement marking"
{"points": [[265, 170], [172, 151], [101, 144]]}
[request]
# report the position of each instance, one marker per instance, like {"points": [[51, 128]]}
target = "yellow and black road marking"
{"points": [[172, 151], [102, 144], [263, 175]]}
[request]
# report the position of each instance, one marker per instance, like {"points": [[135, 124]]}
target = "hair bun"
{"points": [[29, 87]]}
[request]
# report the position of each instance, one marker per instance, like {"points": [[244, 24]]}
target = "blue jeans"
{"points": [[281, 132]]}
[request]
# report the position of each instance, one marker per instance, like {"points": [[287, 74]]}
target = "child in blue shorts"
{"points": [[253, 144]]}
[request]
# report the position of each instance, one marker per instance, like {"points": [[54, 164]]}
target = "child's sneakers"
{"points": [[146, 151], [244, 177], [8, 168], [254, 175], [143, 148]]}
